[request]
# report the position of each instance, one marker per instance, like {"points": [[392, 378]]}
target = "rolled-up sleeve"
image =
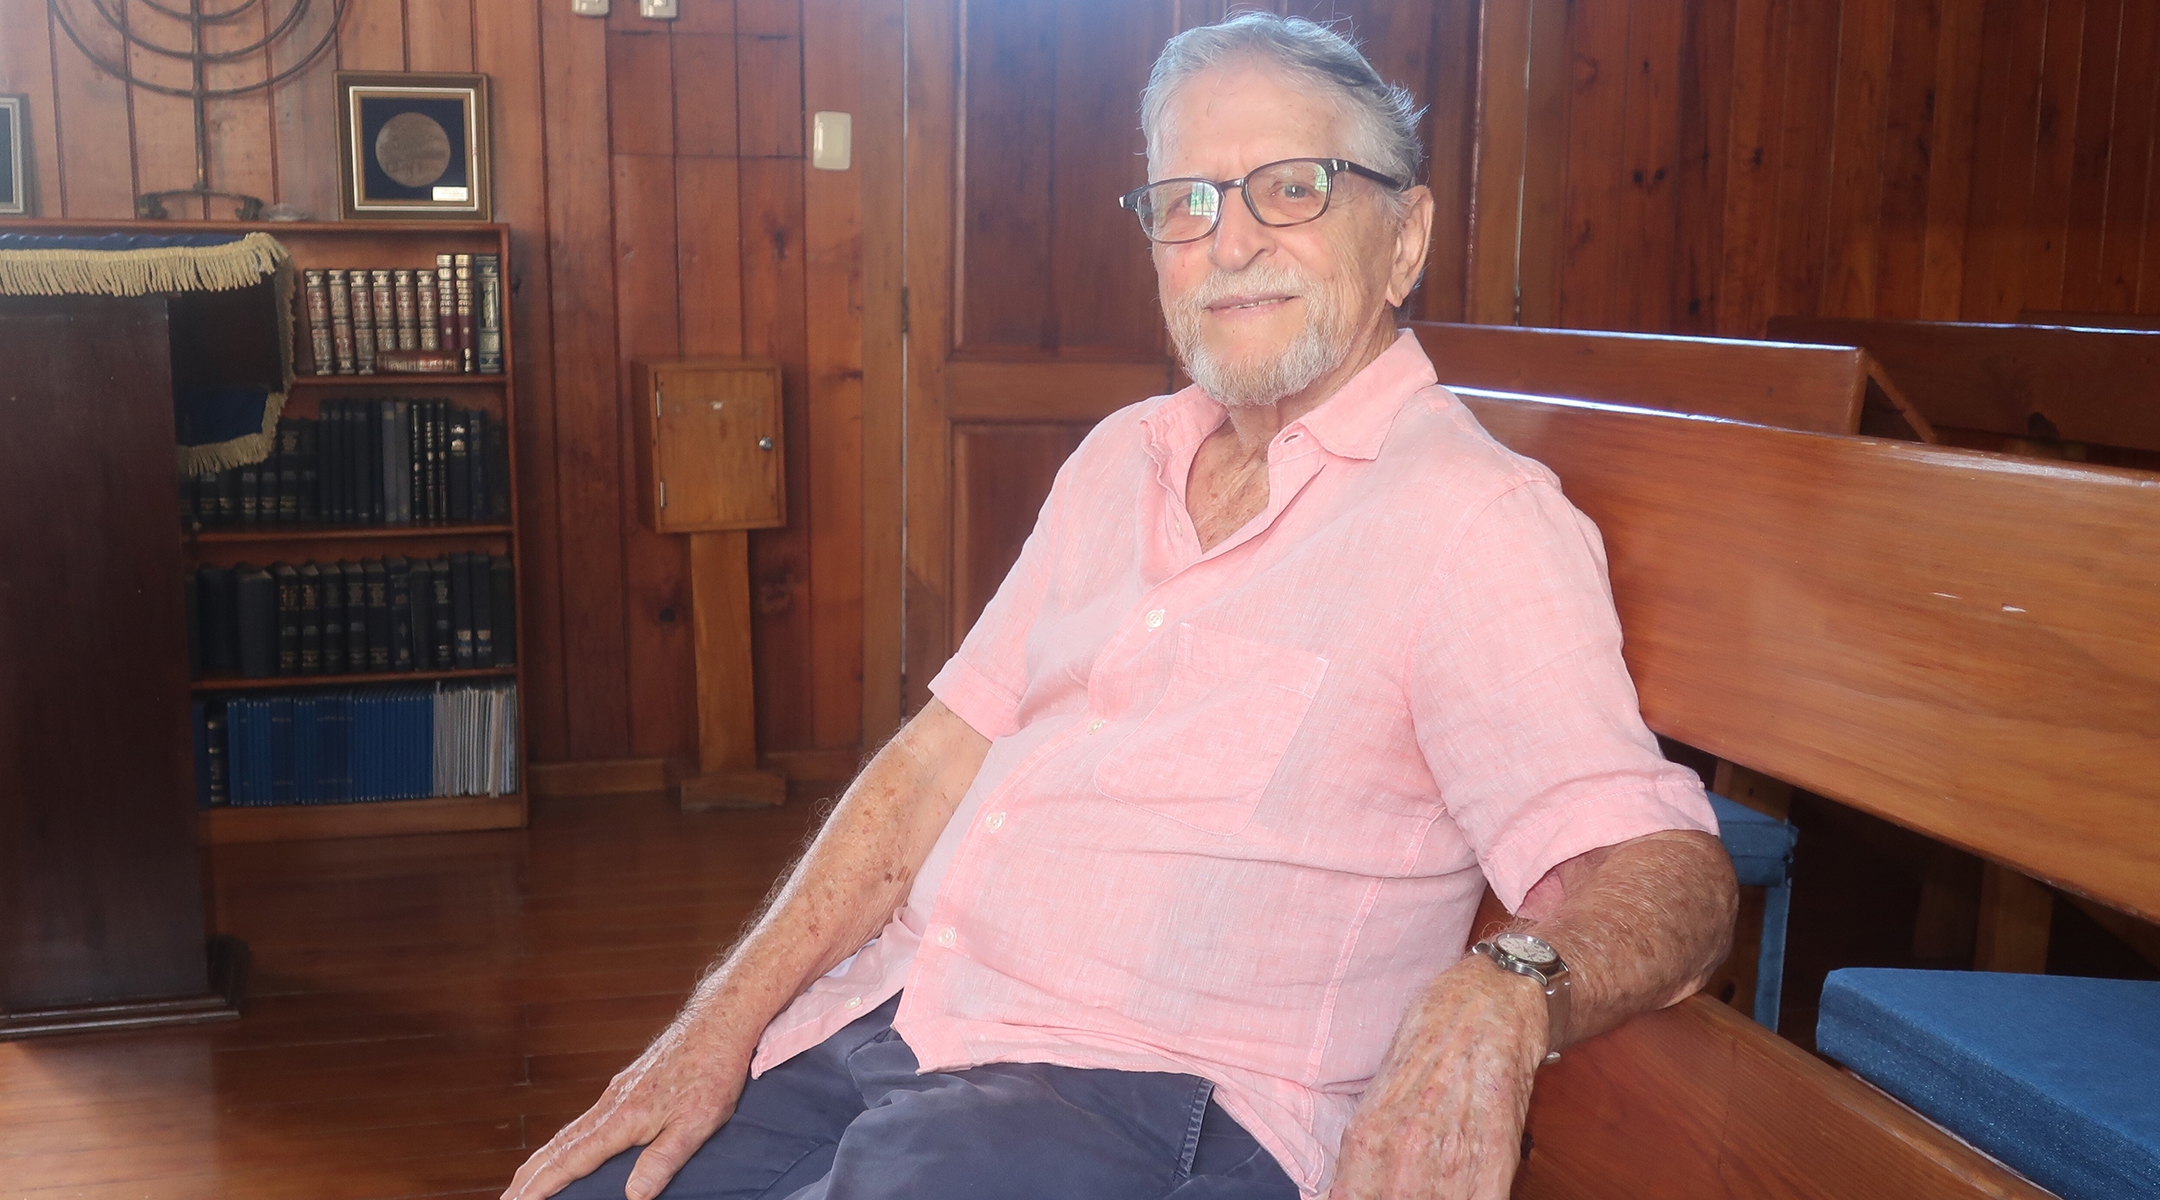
{"points": [[1523, 706]]}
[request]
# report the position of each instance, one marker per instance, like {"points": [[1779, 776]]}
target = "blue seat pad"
{"points": [[2057, 1076], [1761, 846]]}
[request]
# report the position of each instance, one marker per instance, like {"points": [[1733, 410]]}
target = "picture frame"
{"points": [[18, 196], [413, 146]]}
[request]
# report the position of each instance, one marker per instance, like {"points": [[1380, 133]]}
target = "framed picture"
{"points": [[15, 160], [413, 146]]}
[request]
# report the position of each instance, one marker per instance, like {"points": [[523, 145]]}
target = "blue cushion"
{"points": [[1761, 846], [2056, 1076]]}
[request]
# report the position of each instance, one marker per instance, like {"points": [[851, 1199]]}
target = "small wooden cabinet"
{"points": [[708, 446]]}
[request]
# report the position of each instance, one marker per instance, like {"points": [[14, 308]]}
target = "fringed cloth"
{"points": [[219, 426]]}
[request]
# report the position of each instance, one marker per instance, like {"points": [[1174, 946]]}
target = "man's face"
{"points": [[1259, 313]]}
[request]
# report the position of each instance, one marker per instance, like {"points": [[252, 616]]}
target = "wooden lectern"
{"points": [[709, 466]]}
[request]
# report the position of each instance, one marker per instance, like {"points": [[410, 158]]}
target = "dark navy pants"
{"points": [[853, 1120]]}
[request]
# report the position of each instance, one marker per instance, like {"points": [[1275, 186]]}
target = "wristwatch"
{"points": [[1525, 954]]}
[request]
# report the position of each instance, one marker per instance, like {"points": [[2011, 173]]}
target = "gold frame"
{"points": [[20, 162], [355, 86]]}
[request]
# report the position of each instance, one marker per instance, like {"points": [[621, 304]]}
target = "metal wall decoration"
{"points": [[16, 198], [197, 16], [413, 146]]}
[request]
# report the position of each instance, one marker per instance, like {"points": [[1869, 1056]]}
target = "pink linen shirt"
{"points": [[1240, 804]]}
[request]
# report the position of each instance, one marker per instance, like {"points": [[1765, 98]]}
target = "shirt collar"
{"points": [[1352, 423]]}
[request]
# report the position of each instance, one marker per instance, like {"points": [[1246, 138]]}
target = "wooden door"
{"points": [[1029, 305]]}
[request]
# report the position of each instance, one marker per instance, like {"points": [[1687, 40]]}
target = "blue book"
{"points": [[337, 748], [307, 744], [281, 750], [201, 714], [239, 732]]}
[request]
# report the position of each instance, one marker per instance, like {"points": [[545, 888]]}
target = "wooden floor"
{"points": [[421, 1012]]}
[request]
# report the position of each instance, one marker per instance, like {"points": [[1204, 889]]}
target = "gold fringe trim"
{"points": [[139, 272], [255, 447]]}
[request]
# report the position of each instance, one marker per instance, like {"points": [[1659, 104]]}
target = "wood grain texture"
{"points": [[1497, 218], [1002, 475], [1939, 599], [26, 68], [879, 134]]}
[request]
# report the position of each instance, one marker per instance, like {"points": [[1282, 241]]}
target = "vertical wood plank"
{"points": [[1908, 145], [1545, 166], [879, 132], [706, 16], [641, 97], [2092, 162], [773, 327], [2130, 160], [439, 35], [1502, 124], [373, 36], [303, 118], [164, 126], [659, 633], [2011, 48], [93, 131], [2015, 911], [1804, 168], [26, 67], [769, 111], [708, 255], [703, 69], [240, 153], [1951, 158], [588, 461], [1651, 123], [833, 284], [506, 46], [2055, 152], [932, 112], [1011, 124], [1753, 152], [1706, 54], [1102, 280], [1590, 266], [1857, 157], [1450, 132]]}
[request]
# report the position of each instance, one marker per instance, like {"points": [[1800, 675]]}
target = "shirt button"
{"points": [[1154, 618], [854, 1001], [1094, 724], [995, 821], [946, 936]]}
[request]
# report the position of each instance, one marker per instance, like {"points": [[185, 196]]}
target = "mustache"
{"points": [[1257, 278]]}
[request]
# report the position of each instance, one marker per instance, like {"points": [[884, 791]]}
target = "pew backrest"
{"points": [[1822, 389], [2099, 386], [1965, 643]]}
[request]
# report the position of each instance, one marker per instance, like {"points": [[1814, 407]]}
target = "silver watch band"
{"points": [[1558, 987]]}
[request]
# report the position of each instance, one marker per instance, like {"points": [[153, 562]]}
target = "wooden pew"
{"points": [[1823, 389], [2051, 391], [1963, 643]]}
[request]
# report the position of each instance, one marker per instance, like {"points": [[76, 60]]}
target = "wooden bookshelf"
{"points": [[363, 244]]}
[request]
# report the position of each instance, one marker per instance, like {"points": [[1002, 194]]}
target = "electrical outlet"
{"points": [[832, 136], [658, 10], [589, 8]]}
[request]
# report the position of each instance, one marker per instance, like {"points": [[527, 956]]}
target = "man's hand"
{"points": [[1444, 1115], [670, 1100]]}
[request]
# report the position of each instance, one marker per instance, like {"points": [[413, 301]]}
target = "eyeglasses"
{"points": [[1280, 194]]}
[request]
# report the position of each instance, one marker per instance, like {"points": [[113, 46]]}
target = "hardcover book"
{"points": [[341, 322], [426, 314], [311, 612], [408, 310], [288, 618], [335, 623], [502, 601], [378, 614], [363, 320], [467, 351], [323, 357], [487, 319]]}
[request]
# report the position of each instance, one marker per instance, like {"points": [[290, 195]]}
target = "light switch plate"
{"points": [[589, 8], [658, 10], [832, 138]]}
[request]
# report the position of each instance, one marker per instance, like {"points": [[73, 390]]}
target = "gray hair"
{"points": [[1383, 118]]}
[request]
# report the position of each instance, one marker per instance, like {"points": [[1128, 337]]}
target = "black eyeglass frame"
{"points": [[1130, 201]]}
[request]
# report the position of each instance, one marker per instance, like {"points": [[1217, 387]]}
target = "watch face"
{"points": [[1529, 949]]}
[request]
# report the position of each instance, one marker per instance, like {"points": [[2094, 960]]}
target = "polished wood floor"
{"points": [[421, 1011]]}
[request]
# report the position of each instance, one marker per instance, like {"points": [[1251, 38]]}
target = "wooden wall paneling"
{"points": [[1805, 164], [588, 478], [1590, 267], [439, 35], [833, 285], [774, 327], [506, 46], [2101, 88], [95, 126], [2148, 285], [1008, 134], [241, 158], [2011, 45], [702, 67], [303, 120], [769, 95], [1102, 279], [1651, 131], [1496, 217], [706, 16], [1857, 156], [656, 582], [1908, 136], [1450, 133], [1754, 151], [373, 36], [641, 99], [26, 67], [2130, 163], [1545, 167], [879, 130], [2055, 149], [933, 187], [1705, 92], [708, 255], [1002, 474], [1956, 106], [163, 125]]}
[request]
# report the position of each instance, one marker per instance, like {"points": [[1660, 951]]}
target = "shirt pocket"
{"points": [[1205, 753]]}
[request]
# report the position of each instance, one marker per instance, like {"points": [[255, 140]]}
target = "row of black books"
{"points": [[455, 612], [399, 320], [347, 746], [365, 462]]}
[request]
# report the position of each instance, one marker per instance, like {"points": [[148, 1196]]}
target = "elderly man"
{"points": [[1167, 893]]}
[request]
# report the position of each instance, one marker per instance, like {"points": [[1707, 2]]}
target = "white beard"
{"points": [[1320, 347]]}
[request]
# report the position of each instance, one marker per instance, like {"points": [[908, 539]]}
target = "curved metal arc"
{"points": [[116, 18], [207, 18], [126, 75]]}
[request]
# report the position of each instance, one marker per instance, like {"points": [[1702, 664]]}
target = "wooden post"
{"points": [[728, 774], [2014, 914]]}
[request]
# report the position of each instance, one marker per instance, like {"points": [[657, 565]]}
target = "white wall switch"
{"points": [[658, 10], [589, 8], [832, 140]]}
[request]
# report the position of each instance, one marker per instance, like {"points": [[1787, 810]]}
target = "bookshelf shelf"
{"points": [[292, 822], [355, 533], [235, 683], [431, 379]]}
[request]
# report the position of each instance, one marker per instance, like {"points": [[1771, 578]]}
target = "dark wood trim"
{"points": [[228, 970]]}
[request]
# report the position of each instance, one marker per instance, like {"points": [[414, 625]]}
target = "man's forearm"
{"points": [[1641, 924], [854, 875]]}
